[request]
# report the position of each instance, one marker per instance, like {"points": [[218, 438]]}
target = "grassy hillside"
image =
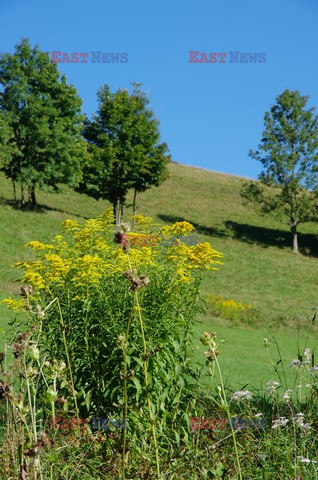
{"points": [[259, 267]]}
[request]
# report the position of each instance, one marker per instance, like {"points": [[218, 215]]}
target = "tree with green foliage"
{"points": [[6, 148], [44, 116], [289, 155], [123, 138]]}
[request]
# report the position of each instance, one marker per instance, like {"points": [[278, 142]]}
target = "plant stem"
{"points": [[147, 386], [229, 418], [125, 395], [68, 359]]}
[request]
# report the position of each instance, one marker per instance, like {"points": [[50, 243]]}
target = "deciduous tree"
{"points": [[289, 154], [125, 151], [44, 116]]}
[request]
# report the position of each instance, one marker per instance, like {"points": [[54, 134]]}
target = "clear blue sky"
{"points": [[211, 114]]}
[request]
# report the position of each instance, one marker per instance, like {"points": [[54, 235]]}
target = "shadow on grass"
{"points": [[269, 237], [40, 208], [264, 237]]}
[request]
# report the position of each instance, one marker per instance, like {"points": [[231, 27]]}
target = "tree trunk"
{"points": [[294, 238], [134, 209], [14, 191], [118, 213], [115, 212], [34, 205], [22, 196], [31, 197]]}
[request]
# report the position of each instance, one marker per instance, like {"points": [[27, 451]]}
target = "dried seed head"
{"points": [[40, 311], [125, 227], [26, 290], [5, 390], [61, 400]]}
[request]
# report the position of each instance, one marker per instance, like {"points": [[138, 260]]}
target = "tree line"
{"points": [[46, 141]]}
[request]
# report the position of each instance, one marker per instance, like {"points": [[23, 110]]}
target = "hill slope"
{"points": [[259, 268]]}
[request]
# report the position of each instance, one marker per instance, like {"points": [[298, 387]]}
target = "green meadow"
{"points": [[258, 269]]}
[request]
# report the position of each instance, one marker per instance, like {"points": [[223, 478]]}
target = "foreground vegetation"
{"points": [[105, 330]]}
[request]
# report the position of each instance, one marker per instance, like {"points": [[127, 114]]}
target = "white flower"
{"points": [[280, 422], [286, 395], [306, 460], [307, 354], [272, 386], [295, 363], [299, 420], [241, 395]]}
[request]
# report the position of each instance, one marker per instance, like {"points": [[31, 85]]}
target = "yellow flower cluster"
{"points": [[178, 228], [198, 256], [138, 257], [58, 268], [14, 305], [143, 223], [71, 225], [39, 246], [89, 270], [228, 308], [88, 255]]}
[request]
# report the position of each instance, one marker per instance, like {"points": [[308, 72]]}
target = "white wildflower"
{"points": [[295, 363], [280, 422], [286, 395], [306, 460], [299, 420], [241, 395], [272, 386]]}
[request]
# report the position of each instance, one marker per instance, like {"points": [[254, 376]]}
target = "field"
{"points": [[258, 269]]}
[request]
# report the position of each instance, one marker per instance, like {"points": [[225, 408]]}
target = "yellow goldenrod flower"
{"points": [[71, 225], [39, 246], [142, 221], [14, 305], [107, 218], [178, 228], [34, 278]]}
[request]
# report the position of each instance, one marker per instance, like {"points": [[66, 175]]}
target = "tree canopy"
{"points": [[124, 144], [43, 115], [289, 154]]}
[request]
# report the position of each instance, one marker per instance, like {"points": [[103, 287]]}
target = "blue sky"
{"points": [[210, 114]]}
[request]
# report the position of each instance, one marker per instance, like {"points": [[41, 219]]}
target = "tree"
{"points": [[125, 151], [6, 148], [289, 155], [44, 117]]}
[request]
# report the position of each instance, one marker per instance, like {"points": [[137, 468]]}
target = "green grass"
{"points": [[259, 268]]}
